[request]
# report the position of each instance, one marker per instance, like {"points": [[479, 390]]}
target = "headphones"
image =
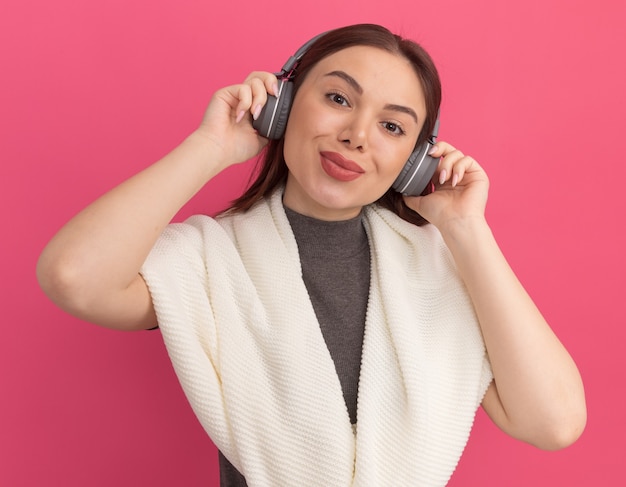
{"points": [[417, 172]]}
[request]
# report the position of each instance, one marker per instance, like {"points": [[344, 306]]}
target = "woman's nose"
{"points": [[355, 133]]}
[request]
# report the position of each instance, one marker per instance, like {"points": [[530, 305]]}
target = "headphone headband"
{"points": [[289, 66]]}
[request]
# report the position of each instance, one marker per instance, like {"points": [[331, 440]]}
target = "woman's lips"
{"points": [[340, 168]]}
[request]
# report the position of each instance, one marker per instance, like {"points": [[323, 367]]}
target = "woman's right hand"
{"points": [[227, 122], [91, 266]]}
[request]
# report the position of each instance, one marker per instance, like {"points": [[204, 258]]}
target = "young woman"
{"points": [[323, 331]]}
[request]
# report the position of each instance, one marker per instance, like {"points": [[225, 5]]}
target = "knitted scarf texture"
{"points": [[248, 351]]}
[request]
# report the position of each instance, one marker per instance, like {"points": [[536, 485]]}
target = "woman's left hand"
{"points": [[461, 188]]}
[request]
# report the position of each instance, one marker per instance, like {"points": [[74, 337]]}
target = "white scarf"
{"points": [[249, 353]]}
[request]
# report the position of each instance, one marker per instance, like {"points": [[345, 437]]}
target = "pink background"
{"points": [[91, 92]]}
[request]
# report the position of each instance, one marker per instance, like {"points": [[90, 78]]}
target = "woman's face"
{"points": [[354, 123]]}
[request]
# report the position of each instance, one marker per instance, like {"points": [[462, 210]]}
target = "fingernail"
{"points": [[455, 179], [442, 176], [240, 116], [257, 112], [275, 89], [432, 150]]}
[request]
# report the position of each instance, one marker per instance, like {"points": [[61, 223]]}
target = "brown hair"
{"points": [[272, 171]]}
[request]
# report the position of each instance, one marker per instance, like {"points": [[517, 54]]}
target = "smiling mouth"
{"points": [[340, 168]]}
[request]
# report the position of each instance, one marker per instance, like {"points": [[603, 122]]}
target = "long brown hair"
{"points": [[271, 171]]}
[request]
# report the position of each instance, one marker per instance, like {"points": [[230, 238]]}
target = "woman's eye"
{"points": [[393, 128], [338, 98]]}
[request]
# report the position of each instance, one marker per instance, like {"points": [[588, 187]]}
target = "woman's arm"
{"points": [[537, 394], [90, 268]]}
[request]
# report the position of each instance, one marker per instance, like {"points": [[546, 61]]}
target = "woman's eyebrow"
{"points": [[402, 109], [357, 87], [348, 79]]}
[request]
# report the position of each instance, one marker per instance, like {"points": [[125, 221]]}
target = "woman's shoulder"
{"points": [[377, 214], [402, 241]]}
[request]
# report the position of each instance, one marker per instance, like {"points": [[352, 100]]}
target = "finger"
{"points": [[461, 168], [458, 170], [447, 164], [244, 97], [261, 84], [259, 97], [269, 80], [441, 148]]}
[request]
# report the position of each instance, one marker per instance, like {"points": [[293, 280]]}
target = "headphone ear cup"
{"points": [[417, 172], [264, 121], [272, 120], [277, 128]]}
